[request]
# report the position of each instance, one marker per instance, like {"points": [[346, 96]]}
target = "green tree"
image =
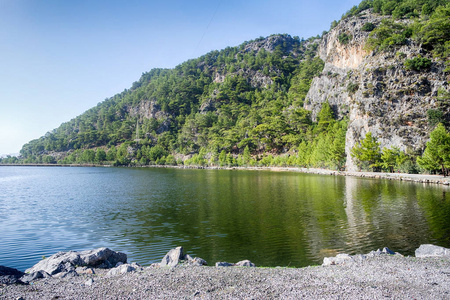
{"points": [[337, 147], [122, 157], [437, 153], [319, 157], [87, 156], [435, 33], [390, 158], [367, 153], [111, 155], [246, 155], [100, 155], [49, 159], [222, 158], [325, 116], [156, 152]]}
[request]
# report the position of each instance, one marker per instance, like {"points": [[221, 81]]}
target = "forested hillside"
{"points": [[252, 104]]}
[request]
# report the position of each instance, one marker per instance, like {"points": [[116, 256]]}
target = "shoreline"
{"points": [[416, 178], [379, 276]]}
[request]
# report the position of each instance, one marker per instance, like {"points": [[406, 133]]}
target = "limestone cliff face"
{"points": [[149, 109], [374, 90]]}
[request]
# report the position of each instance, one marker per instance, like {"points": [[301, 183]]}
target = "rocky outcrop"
{"points": [[374, 89], [270, 43], [149, 109]]}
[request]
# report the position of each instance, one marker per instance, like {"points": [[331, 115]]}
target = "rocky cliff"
{"points": [[374, 89]]}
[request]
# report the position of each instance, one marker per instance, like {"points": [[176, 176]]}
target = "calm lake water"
{"points": [[271, 218]]}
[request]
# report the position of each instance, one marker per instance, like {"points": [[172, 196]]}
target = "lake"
{"points": [[270, 218]]}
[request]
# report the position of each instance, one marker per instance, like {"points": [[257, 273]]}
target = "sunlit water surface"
{"points": [[271, 218]]}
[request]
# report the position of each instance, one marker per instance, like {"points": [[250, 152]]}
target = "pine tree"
{"points": [[437, 153], [389, 158], [367, 153], [325, 116]]}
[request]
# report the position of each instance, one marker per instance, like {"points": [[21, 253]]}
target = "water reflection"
{"points": [[271, 218]]}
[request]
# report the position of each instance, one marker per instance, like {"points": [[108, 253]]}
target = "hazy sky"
{"points": [[59, 58]]}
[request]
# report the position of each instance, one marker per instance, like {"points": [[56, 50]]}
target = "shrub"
{"points": [[368, 26], [435, 116], [344, 38], [352, 87], [418, 63]]}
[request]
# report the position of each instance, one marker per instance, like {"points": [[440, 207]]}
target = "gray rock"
{"points": [[10, 275], [196, 261], [385, 250], [101, 256], [244, 263], [429, 250], [66, 261], [199, 262], [343, 258], [27, 278], [172, 258], [176, 256], [124, 268], [89, 282], [84, 270], [224, 264], [339, 259], [66, 274]]}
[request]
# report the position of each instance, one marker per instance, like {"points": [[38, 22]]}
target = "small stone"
{"points": [[122, 269], [386, 250], [224, 264], [245, 263], [89, 282], [69, 274], [337, 260], [84, 270]]}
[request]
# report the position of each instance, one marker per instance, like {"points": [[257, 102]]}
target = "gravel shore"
{"points": [[380, 277]]}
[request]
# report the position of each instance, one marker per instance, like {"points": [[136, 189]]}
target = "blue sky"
{"points": [[59, 58]]}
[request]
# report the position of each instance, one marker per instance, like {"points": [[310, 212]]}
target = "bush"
{"points": [[344, 38], [368, 26], [418, 63], [352, 87], [435, 116]]}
